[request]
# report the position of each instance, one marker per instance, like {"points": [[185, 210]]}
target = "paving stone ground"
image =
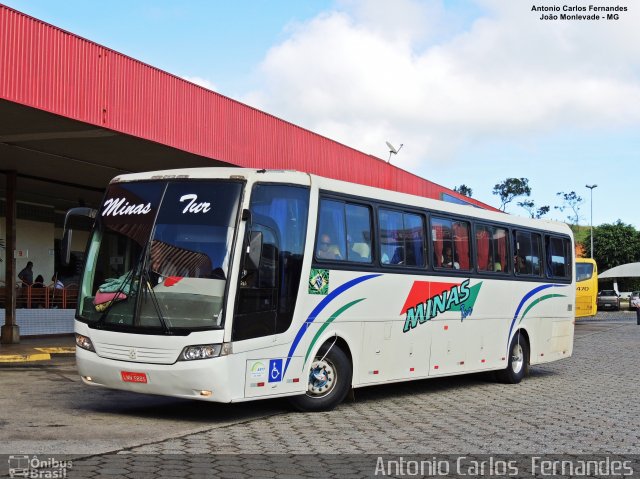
{"points": [[588, 404]]}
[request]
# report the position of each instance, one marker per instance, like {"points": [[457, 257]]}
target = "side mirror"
{"points": [[68, 232], [66, 246], [254, 252]]}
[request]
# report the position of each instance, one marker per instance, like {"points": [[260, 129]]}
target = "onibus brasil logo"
{"points": [[35, 467], [428, 299]]}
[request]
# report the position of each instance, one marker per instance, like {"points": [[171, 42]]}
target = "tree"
{"points": [[613, 244], [530, 206], [573, 202], [510, 189], [543, 210], [464, 190]]}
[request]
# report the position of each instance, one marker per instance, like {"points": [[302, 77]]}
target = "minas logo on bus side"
{"points": [[427, 299]]}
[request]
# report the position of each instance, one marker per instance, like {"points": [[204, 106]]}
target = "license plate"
{"points": [[131, 377]]}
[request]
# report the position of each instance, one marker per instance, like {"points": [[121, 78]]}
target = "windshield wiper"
{"points": [[154, 299]]}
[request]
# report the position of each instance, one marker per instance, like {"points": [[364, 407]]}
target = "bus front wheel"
{"points": [[518, 365], [329, 380]]}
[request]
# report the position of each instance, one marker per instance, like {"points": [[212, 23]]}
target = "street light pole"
{"points": [[591, 187]]}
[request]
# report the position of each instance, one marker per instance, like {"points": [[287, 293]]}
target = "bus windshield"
{"points": [[159, 256], [584, 271]]}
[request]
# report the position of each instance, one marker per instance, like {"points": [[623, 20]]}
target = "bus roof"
{"points": [[343, 187]]}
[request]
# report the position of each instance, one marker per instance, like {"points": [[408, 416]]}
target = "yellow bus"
{"points": [[586, 287]]}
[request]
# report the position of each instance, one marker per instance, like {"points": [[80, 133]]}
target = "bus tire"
{"points": [[329, 381], [518, 364]]}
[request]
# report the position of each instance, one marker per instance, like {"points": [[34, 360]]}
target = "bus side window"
{"points": [[331, 239], [344, 232], [358, 233], [402, 238], [451, 243], [483, 256], [558, 254], [491, 249], [527, 248]]}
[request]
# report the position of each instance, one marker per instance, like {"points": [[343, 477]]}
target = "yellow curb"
{"points": [[56, 350], [23, 358]]}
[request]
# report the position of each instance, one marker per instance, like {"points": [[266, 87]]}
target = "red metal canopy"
{"points": [[49, 69]]}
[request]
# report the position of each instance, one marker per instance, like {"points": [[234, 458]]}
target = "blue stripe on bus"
{"points": [[323, 304], [524, 300]]}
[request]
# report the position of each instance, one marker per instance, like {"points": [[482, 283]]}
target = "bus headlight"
{"points": [[204, 351], [84, 343]]}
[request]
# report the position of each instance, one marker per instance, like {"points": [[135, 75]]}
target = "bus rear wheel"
{"points": [[518, 365], [329, 381]]}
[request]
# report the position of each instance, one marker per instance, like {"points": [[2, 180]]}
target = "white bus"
{"points": [[228, 285]]}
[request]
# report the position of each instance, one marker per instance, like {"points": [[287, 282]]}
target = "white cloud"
{"points": [[203, 82], [372, 71]]}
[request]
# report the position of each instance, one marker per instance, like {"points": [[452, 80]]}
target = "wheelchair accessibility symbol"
{"points": [[275, 370]]}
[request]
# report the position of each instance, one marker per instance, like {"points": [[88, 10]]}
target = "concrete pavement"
{"points": [[39, 350]]}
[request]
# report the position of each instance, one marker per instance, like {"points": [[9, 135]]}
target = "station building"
{"points": [[74, 114]]}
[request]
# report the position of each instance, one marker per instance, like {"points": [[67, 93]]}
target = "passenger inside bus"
{"points": [[497, 266], [327, 249], [398, 256], [360, 252], [448, 261], [491, 266]]}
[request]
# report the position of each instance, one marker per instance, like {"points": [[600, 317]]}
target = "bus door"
{"points": [[272, 260], [256, 310]]}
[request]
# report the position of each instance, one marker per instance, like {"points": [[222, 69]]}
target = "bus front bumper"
{"points": [[205, 379]]}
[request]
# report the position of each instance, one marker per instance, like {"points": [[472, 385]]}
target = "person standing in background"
{"points": [[26, 275], [635, 302]]}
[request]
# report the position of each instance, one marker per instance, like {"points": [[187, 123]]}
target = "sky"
{"points": [[476, 91]]}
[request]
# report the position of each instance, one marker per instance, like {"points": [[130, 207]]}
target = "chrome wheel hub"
{"points": [[517, 359], [322, 378]]}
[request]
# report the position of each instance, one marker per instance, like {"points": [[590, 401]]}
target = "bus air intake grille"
{"points": [[137, 354]]}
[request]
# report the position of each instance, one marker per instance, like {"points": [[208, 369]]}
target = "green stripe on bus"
{"points": [[542, 298], [326, 324]]}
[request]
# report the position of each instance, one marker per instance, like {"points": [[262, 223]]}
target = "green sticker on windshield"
{"points": [[319, 281]]}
